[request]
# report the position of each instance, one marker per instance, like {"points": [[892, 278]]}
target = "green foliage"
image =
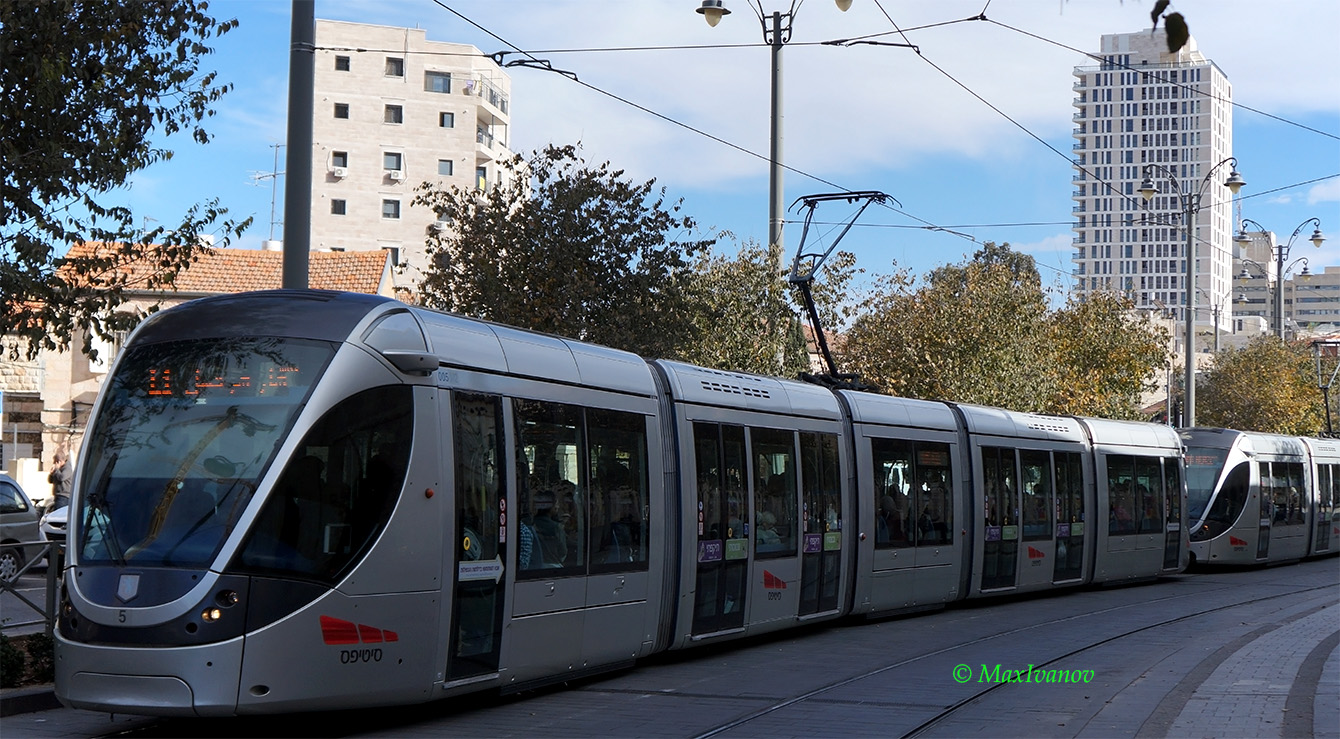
{"points": [[41, 657], [12, 663], [562, 247], [981, 332], [1268, 385], [83, 88], [1105, 355], [744, 319]]}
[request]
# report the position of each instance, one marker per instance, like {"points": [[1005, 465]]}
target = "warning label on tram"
{"points": [[338, 631]]}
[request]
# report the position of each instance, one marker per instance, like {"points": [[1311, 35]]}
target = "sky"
{"points": [[970, 132]]}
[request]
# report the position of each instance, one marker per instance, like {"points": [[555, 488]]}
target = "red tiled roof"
{"points": [[240, 270]]}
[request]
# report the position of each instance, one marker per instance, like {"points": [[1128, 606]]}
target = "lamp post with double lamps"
{"points": [[1216, 309], [1190, 201], [776, 33], [1281, 254]]}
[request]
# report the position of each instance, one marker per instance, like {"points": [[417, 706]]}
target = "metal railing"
{"points": [[44, 614]]}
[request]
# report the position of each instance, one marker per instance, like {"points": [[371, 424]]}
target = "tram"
{"points": [[305, 500], [1258, 498]]}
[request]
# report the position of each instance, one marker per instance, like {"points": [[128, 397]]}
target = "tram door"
{"points": [[479, 536], [1264, 492], [1172, 541], [1000, 532], [721, 577], [1071, 515], [821, 563]]}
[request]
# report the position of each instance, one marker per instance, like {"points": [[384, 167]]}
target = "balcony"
{"points": [[1078, 146], [489, 93], [1079, 116], [1079, 209]]}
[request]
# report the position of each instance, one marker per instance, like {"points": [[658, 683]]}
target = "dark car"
{"points": [[19, 524]]}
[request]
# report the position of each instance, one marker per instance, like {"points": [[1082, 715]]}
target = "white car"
{"points": [[18, 519], [54, 524]]}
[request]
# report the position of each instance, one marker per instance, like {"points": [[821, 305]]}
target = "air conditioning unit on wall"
{"points": [[397, 174], [339, 172]]}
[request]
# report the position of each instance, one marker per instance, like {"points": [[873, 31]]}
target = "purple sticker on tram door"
{"points": [[814, 543], [993, 533], [1062, 530], [709, 550]]}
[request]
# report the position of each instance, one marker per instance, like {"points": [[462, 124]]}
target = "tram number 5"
{"points": [[121, 615]]}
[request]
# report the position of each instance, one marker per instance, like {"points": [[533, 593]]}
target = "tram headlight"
{"points": [[211, 615], [227, 598]]}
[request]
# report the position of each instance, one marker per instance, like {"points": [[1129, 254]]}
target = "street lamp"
{"points": [[776, 33], [1281, 254], [1216, 308], [1190, 201]]}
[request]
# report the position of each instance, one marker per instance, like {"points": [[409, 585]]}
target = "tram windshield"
{"points": [[1204, 465], [183, 435]]}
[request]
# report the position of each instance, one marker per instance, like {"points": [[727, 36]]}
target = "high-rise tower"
{"points": [[1142, 105]]}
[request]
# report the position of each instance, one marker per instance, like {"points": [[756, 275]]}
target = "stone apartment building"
{"points": [[392, 111]]}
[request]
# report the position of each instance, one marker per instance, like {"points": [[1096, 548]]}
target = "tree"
{"points": [[972, 334], [84, 86], [566, 248], [1267, 385], [981, 332], [744, 317], [1105, 355]]}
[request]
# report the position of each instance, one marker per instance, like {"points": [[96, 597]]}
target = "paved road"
{"points": [[1245, 653]]}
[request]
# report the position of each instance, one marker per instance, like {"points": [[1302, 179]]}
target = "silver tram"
{"points": [[294, 501], [1258, 498]]}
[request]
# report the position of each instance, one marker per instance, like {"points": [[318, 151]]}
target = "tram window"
{"points": [[1036, 472], [550, 491], [1227, 505], [1000, 508], [935, 520], [1148, 489], [1121, 505], [819, 467], [892, 460], [619, 501], [774, 456], [338, 490]]}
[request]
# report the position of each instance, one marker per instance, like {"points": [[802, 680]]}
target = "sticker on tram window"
{"points": [[1062, 530], [814, 543], [709, 550], [737, 549], [832, 541], [992, 533], [1009, 533], [1077, 529]]}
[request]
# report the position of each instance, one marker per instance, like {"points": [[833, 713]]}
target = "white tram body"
{"points": [[295, 501], [1260, 498]]}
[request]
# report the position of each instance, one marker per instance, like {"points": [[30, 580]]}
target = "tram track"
{"points": [[950, 710]]}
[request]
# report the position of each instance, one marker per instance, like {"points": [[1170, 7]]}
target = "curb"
{"points": [[28, 700]]}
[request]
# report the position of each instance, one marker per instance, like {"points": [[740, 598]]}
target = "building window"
{"points": [[395, 66], [391, 208], [437, 81], [446, 120], [482, 177], [392, 160], [341, 64], [337, 207], [394, 251], [339, 159], [444, 167], [341, 110], [394, 114]]}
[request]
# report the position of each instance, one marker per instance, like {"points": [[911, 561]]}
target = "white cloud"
{"points": [[1324, 192]]}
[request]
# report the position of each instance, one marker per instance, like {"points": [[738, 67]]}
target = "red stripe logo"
{"points": [[339, 631], [1235, 541], [1034, 553], [772, 582]]}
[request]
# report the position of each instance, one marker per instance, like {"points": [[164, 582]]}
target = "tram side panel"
{"points": [[910, 492], [1032, 496], [1139, 478], [1324, 472]]}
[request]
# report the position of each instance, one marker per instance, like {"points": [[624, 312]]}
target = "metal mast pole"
{"points": [[776, 208]]}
